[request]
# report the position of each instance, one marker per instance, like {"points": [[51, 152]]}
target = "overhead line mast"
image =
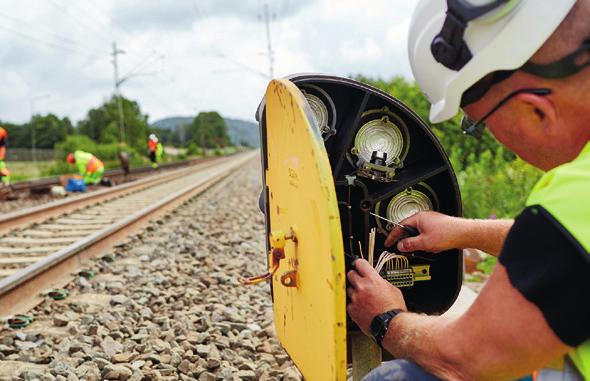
{"points": [[118, 82], [268, 41]]}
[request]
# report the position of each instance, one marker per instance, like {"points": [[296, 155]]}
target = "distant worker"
{"points": [[90, 168], [124, 159], [155, 149], [4, 173]]}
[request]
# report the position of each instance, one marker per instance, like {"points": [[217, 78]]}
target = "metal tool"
{"points": [[410, 230]]}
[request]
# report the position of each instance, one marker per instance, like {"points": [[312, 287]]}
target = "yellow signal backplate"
{"points": [[309, 286]]}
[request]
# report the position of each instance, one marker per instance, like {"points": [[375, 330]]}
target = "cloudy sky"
{"points": [[186, 56]]}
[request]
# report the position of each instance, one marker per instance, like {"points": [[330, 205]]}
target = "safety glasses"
{"points": [[476, 128]]}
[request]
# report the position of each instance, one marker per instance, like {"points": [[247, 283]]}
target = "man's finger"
{"points": [[363, 268], [409, 244], [394, 235], [353, 277], [397, 232], [351, 293]]}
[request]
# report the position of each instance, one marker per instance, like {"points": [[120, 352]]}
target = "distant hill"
{"points": [[173, 122], [239, 130]]}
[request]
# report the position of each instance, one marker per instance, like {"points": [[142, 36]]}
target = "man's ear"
{"points": [[541, 111]]}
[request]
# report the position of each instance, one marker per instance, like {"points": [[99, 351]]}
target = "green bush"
{"points": [[493, 187], [58, 168], [73, 143], [487, 265], [194, 150]]}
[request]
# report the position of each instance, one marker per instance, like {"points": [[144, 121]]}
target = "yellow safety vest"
{"points": [[563, 192]]}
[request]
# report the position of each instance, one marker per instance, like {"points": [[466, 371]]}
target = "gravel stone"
{"points": [[170, 305], [206, 376], [116, 372], [246, 375]]}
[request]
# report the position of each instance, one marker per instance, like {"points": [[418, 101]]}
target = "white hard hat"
{"points": [[451, 51], [153, 137]]}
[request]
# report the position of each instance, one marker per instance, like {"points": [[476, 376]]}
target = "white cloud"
{"points": [[214, 50], [365, 50]]}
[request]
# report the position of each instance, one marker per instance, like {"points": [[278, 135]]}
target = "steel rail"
{"points": [[20, 291], [46, 182], [20, 218]]}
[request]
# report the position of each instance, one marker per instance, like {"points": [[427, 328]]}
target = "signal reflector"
{"points": [[408, 203], [379, 135], [322, 108]]}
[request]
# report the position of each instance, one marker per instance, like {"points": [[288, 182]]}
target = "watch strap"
{"points": [[380, 324]]}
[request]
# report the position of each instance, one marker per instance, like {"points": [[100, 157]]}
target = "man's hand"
{"points": [[438, 232], [370, 295]]}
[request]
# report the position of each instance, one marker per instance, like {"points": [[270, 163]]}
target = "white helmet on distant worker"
{"points": [[153, 137], [453, 44]]}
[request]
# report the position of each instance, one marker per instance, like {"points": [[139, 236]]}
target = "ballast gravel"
{"points": [[167, 305]]}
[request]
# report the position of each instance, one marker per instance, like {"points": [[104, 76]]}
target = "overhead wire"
{"points": [[95, 5], [202, 15], [66, 12], [64, 40], [52, 44], [146, 62]]}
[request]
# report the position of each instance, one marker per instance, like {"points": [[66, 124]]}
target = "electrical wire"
{"points": [[95, 5], [66, 12], [30, 26], [47, 43]]}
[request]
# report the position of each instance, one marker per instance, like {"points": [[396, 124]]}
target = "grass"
{"points": [[27, 170]]}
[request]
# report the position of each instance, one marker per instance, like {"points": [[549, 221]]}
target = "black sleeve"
{"points": [[2, 142], [552, 270]]}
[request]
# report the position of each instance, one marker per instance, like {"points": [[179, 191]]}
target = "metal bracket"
{"points": [[277, 243], [289, 279]]}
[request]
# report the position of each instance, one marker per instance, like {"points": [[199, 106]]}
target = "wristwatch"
{"points": [[380, 324]]}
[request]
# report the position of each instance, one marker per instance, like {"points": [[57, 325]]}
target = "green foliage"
{"points": [[102, 124], [76, 142], [167, 136], [107, 152], [493, 186], [194, 150], [58, 168], [487, 265], [208, 130], [49, 130], [492, 180]]}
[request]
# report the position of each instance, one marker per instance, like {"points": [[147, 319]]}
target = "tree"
{"points": [[102, 124], [208, 130], [167, 136], [49, 130]]}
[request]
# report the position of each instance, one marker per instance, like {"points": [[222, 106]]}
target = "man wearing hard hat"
{"points": [[89, 166], [517, 67], [155, 150]]}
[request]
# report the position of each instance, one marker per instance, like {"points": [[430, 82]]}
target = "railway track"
{"points": [[43, 185], [47, 245]]}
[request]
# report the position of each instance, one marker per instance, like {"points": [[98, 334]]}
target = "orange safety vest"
{"points": [[152, 145], [94, 165]]}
